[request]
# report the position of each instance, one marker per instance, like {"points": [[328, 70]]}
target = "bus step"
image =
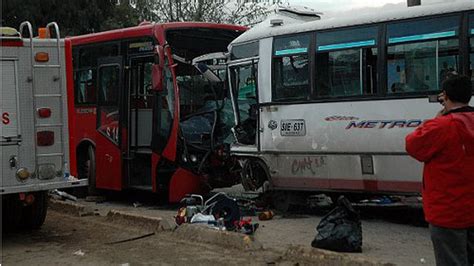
{"points": [[48, 95], [50, 155], [47, 66]]}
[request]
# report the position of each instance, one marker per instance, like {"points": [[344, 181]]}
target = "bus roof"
{"points": [[293, 25], [147, 30]]}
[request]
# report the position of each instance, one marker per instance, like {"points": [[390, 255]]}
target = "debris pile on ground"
{"points": [[340, 230], [61, 195], [219, 212]]}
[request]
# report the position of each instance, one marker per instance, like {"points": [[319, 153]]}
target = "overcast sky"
{"points": [[339, 5]]}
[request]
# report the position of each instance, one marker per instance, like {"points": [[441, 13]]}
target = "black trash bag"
{"points": [[340, 230]]}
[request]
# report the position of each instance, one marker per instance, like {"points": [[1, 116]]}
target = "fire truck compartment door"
{"points": [[9, 127]]}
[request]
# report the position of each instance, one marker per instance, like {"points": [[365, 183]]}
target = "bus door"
{"points": [[244, 91], [108, 139], [140, 126]]}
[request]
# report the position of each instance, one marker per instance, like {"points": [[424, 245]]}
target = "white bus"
{"points": [[325, 104]]}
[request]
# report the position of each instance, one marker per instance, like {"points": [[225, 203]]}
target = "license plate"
{"points": [[293, 127]]}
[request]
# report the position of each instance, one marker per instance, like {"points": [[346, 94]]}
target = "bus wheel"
{"points": [[254, 174], [11, 211], [33, 216], [90, 163], [86, 169]]}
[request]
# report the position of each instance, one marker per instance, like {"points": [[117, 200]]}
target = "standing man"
{"points": [[445, 144]]}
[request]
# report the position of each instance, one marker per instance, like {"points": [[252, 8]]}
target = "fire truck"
{"points": [[34, 131]]}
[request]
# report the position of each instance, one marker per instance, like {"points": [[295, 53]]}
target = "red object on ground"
{"points": [[182, 183]]}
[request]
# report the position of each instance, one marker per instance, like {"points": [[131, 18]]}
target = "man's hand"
{"points": [[442, 101]]}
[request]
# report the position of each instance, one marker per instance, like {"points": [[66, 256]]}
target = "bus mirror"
{"points": [[157, 77], [157, 70]]}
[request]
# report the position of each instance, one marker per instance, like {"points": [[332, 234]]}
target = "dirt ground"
{"points": [[385, 238], [68, 240]]}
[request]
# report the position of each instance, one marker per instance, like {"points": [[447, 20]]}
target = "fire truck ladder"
{"points": [[58, 96]]}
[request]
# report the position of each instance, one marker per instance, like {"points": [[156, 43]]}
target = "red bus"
{"points": [[144, 117]]}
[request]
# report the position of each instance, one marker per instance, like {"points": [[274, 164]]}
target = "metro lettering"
{"points": [[356, 124], [5, 118], [389, 124]]}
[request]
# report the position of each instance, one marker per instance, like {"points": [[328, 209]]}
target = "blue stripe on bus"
{"points": [[346, 45], [420, 37], [292, 51]]}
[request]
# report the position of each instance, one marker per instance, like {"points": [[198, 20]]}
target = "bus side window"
{"points": [[346, 63], [85, 86], [421, 54], [291, 68]]}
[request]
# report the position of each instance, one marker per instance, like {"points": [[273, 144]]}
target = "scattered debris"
{"points": [[219, 211], [340, 230], [246, 226], [266, 215], [319, 201], [79, 253], [422, 260], [71, 178], [130, 239], [61, 195]]}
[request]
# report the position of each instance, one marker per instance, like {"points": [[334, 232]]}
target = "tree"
{"points": [[74, 17], [243, 12]]}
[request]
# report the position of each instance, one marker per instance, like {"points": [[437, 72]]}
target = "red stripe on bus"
{"points": [[11, 43]]}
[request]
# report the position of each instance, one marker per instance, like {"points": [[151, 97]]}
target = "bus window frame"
{"points": [[379, 45], [464, 51], [311, 45], [459, 37], [238, 63], [78, 67]]}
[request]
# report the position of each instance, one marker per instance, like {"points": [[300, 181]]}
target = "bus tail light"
{"points": [[45, 138], [44, 112], [42, 57]]}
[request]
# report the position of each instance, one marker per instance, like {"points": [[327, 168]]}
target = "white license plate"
{"points": [[293, 127]]}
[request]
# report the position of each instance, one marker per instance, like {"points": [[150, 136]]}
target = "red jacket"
{"points": [[446, 145]]}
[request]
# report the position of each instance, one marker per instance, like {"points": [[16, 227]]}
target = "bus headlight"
{"points": [[47, 171], [22, 174]]}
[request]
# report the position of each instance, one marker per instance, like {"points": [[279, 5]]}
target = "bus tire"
{"points": [[33, 216], [91, 163], [11, 211]]}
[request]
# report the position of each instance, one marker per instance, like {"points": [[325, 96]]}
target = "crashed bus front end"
{"points": [[150, 120]]}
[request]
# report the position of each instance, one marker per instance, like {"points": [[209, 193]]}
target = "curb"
{"points": [[70, 208], [329, 258], [154, 224], [203, 234]]}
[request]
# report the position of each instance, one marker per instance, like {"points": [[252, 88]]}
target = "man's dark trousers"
{"points": [[453, 247]]}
